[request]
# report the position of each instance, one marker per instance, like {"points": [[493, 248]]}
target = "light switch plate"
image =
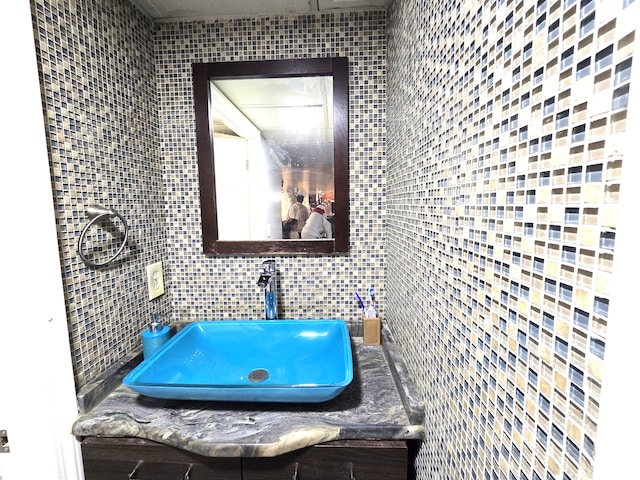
{"points": [[155, 283]]}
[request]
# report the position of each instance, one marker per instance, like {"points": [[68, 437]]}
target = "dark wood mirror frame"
{"points": [[203, 73]]}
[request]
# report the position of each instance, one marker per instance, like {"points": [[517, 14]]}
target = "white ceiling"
{"points": [[169, 10]]}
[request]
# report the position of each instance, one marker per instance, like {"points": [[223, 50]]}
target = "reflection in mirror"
{"points": [[272, 153], [272, 142]]}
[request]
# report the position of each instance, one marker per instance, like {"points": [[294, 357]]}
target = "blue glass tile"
{"points": [[534, 330], [574, 175], [583, 69], [576, 394], [555, 232], [623, 72], [569, 254], [572, 216], [581, 318], [566, 59], [607, 240], [587, 24], [594, 173], [604, 58], [561, 347], [562, 119], [601, 306], [541, 436], [620, 98], [596, 346]]}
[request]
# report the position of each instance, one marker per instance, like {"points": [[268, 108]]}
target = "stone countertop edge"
{"points": [[406, 388], [97, 389], [380, 404]]}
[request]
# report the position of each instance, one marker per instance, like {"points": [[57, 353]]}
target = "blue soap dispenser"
{"points": [[154, 337]]}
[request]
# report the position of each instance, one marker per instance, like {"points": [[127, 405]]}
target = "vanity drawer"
{"points": [[339, 460], [134, 458]]}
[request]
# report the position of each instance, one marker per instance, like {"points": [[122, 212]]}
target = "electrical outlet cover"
{"points": [[155, 283]]}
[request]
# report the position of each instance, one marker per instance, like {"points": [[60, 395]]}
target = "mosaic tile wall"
{"points": [[503, 177], [103, 88], [310, 286], [97, 76]]}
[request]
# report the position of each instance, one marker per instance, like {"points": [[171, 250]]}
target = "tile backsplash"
{"points": [[97, 72], [119, 117], [310, 286]]}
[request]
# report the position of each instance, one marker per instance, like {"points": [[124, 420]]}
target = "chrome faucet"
{"points": [[267, 281]]}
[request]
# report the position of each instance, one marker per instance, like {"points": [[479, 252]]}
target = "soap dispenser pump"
{"points": [[154, 337]]}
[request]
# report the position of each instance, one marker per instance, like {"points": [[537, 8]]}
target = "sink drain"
{"points": [[258, 375]]}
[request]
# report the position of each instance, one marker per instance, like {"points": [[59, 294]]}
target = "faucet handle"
{"points": [[268, 266]]}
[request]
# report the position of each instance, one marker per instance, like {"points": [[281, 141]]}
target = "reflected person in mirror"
{"points": [[298, 212], [317, 225]]}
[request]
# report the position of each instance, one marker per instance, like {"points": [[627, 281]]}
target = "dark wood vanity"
{"points": [[134, 458]]}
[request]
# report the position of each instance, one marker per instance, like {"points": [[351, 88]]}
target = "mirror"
{"points": [[268, 133]]}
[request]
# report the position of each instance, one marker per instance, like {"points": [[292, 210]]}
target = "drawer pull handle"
{"points": [[134, 472], [187, 474], [295, 472], [351, 475]]}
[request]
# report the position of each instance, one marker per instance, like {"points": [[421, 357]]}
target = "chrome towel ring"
{"points": [[96, 213]]}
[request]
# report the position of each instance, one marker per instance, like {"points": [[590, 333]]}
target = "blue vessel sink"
{"points": [[250, 361]]}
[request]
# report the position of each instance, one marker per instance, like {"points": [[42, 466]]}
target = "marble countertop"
{"points": [[380, 404]]}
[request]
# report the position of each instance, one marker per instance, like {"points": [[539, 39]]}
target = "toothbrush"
{"points": [[371, 311], [359, 300]]}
